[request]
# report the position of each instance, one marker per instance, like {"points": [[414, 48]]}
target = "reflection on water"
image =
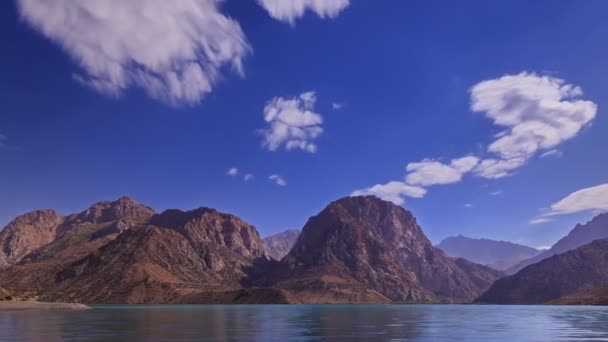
{"points": [[310, 323]]}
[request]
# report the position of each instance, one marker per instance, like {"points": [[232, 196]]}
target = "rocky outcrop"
{"points": [[367, 249], [499, 255], [27, 233], [582, 234], [278, 245], [555, 277]]}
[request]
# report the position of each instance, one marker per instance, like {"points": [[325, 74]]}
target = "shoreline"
{"points": [[29, 305]]}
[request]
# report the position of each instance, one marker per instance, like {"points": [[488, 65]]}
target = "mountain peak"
{"points": [[122, 208]]}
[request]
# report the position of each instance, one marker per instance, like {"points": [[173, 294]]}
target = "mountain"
{"points": [[581, 235], [499, 255], [280, 244], [121, 252], [27, 233], [555, 277], [357, 250], [364, 249], [595, 296]]}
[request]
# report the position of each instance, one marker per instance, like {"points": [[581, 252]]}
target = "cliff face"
{"points": [[27, 233], [499, 255], [278, 245], [558, 276], [367, 243], [582, 234]]}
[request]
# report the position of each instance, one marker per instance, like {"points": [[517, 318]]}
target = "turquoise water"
{"points": [[309, 323]]}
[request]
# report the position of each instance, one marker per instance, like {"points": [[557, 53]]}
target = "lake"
{"points": [[309, 323]]}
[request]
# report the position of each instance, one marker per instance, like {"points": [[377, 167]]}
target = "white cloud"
{"points": [[537, 113], [496, 193], [278, 180], [392, 191], [336, 106], [173, 50], [593, 199], [552, 154], [290, 10], [468, 205], [540, 220], [293, 123], [588, 199], [248, 177], [431, 172], [232, 171]]}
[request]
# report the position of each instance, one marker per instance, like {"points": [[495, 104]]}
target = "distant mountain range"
{"points": [[555, 278], [278, 245], [499, 255], [359, 249], [581, 235]]}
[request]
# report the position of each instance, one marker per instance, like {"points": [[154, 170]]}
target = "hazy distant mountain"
{"points": [[581, 235], [496, 254], [364, 249], [278, 245], [553, 278]]}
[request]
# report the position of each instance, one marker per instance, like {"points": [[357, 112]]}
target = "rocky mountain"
{"points": [[555, 277], [121, 252], [581, 235], [359, 249], [364, 249], [499, 255], [27, 233], [280, 244]]}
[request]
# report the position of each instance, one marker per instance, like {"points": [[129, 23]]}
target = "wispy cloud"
{"points": [[537, 112], [248, 177], [593, 199], [3, 140], [468, 205], [290, 10], [552, 154], [293, 124], [496, 193], [278, 180], [174, 50], [336, 106], [233, 171]]}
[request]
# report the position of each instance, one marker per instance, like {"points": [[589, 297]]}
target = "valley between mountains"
{"points": [[357, 250]]}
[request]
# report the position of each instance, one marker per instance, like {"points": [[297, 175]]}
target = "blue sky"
{"points": [[401, 72]]}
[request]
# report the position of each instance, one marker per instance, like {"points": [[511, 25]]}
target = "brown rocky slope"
{"points": [[365, 249]]}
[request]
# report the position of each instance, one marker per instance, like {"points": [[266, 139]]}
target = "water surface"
{"points": [[310, 323]]}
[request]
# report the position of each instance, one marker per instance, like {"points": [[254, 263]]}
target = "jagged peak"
{"points": [[121, 208]]}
